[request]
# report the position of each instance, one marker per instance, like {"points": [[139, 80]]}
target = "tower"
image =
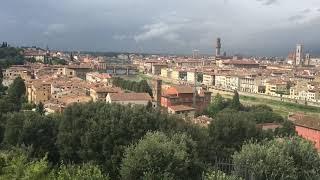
{"points": [[47, 59], [299, 55], [195, 54], [218, 47], [307, 59], [157, 87]]}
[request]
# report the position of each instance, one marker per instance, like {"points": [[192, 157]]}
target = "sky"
{"points": [[249, 27]]}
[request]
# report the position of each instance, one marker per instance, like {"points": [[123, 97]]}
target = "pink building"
{"points": [[307, 127]]}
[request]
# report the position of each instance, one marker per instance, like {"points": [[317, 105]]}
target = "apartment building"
{"points": [[179, 74], [156, 68], [252, 84], [100, 93], [248, 64], [228, 82], [10, 74], [275, 87], [38, 91], [307, 91], [166, 72], [95, 77], [191, 76], [188, 63], [183, 95], [209, 79]]}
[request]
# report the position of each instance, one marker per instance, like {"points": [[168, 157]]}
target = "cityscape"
{"points": [[160, 111]]}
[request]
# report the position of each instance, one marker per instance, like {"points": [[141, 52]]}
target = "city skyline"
{"points": [[260, 27]]}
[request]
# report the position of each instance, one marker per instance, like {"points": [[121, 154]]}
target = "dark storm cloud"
{"points": [[152, 26]]}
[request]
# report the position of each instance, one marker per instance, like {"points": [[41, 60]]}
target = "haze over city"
{"points": [[251, 27]]}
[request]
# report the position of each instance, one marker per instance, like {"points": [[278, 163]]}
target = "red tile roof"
{"points": [[181, 108], [305, 121], [130, 97]]}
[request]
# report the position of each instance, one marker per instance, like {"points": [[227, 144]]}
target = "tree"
{"points": [[3, 121], [40, 108], [6, 105], [28, 106], [16, 92], [74, 172], [235, 103], [218, 175], [141, 86], [1, 75], [31, 129], [199, 77], [4, 45], [158, 156], [229, 131], [287, 129], [217, 105], [87, 132], [15, 165], [13, 129], [285, 158]]}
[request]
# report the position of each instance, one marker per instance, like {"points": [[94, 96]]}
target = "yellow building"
{"points": [[209, 79], [276, 87], [38, 92], [164, 72], [178, 74]]}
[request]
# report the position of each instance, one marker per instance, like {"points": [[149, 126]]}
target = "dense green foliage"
{"points": [[40, 108], [284, 158], [100, 140], [141, 86], [100, 132], [17, 165], [158, 156], [228, 131], [10, 56], [32, 129], [217, 105], [75, 172], [15, 96], [235, 103], [219, 175], [58, 61], [259, 113]]}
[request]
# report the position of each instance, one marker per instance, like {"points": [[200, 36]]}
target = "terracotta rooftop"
{"points": [[178, 108], [130, 97], [240, 62], [107, 89], [184, 89], [305, 121]]}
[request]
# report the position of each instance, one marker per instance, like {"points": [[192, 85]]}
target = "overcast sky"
{"points": [[252, 27]]}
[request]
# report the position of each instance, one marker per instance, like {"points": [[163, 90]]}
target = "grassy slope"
{"points": [[283, 108]]}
